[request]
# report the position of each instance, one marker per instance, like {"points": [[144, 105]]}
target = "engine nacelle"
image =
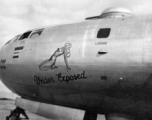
{"points": [[53, 112], [118, 117]]}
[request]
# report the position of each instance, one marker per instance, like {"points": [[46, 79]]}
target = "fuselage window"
{"points": [[25, 35], [36, 33], [103, 33]]}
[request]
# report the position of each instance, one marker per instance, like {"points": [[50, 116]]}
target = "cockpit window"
{"points": [[13, 40], [16, 38], [8, 42], [36, 33], [103, 33], [25, 35]]}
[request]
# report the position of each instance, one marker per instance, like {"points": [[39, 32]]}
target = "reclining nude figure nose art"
{"points": [[49, 64]]}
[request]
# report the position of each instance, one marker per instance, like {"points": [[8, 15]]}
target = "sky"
{"points": [[18, 16]]}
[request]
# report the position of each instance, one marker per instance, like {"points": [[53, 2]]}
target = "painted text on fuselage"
{"points": [[66, 79], [60, 77]]}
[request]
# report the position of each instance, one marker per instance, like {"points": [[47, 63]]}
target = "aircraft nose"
{"points": [[1, 64], [2, 61]]}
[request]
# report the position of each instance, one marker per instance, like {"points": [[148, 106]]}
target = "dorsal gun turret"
{"points": [[113, 12]]}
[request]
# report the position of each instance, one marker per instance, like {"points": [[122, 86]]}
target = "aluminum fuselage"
{"points": [[116, 81]]}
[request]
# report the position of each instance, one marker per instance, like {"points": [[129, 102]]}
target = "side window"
{"points": [[103, 33], [36, 33], [25, 35]]}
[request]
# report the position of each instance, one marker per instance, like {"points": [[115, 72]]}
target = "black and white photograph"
{"points": [[75, 59]]}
